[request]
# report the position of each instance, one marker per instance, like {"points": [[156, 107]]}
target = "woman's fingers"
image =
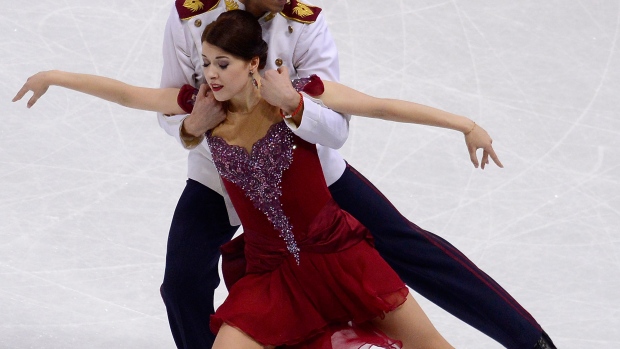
{"points": [[494, 156], [472, 155], [20, 93]]}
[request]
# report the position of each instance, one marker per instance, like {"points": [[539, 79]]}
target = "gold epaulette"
{"points": [[190, 8], [300, 12]]}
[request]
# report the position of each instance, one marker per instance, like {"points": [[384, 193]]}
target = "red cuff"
{"points": [[312, 85], [187, 97]]}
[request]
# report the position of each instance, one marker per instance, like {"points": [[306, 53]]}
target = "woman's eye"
{"points": [[223, 65], [205, 64]]}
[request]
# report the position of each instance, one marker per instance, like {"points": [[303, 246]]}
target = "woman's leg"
{"points": [[409, 324], [436, 269], [229, 337]]}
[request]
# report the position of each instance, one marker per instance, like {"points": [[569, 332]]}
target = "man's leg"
{"points": [[199, 227], [436, 269]]}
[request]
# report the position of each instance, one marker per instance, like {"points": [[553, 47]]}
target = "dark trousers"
{"points": [[427, 263]]}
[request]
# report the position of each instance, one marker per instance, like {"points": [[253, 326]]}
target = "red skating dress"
{"points": [[312, 278]]}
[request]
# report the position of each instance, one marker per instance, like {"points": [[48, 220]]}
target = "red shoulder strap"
{"points": [[300, 12]]}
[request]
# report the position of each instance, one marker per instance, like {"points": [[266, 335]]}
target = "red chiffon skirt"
{"points": [[326, 301]]}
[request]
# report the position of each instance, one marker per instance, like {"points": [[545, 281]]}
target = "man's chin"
{"points": [[280, 6]]}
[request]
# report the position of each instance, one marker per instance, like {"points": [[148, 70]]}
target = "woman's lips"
{"points": [[216, 87]]}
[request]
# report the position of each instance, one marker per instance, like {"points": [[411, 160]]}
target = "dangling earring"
{"points": [[254, 82]]}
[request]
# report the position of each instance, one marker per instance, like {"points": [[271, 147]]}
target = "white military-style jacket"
{"points": [[298, 38]]}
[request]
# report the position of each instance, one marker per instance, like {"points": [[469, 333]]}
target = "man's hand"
{"points": [[277, 89], [207, 113]]}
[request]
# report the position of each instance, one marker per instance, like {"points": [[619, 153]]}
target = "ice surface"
{"points": [[88, 188]]}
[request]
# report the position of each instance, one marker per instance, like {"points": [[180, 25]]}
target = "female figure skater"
{"points": [[312, 277]]}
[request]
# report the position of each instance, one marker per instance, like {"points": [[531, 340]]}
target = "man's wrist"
{"points": [[188, 139], [292, 103], [297, 110], [187, 129]]}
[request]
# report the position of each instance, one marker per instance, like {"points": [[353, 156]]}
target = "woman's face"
{"points": [[227, 75]]}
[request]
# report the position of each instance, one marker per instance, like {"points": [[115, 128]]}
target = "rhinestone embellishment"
{"points": [[259, 174]]}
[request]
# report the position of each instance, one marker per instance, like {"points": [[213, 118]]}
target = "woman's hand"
{"points": [[38, 84], [479, 138]]}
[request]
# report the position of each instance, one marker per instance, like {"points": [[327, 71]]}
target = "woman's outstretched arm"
{"points": [[350, 101], [163, 100]]}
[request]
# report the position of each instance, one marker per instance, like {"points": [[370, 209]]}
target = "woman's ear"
{"points": [[254, 63]]}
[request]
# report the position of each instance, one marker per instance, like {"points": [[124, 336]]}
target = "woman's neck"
{"points": [[245, 102], [246, 128]]}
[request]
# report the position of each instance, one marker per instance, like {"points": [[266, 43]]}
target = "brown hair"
{"points": [[238, 33]]}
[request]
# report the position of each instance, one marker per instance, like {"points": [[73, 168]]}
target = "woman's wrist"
{"points": [[463, 124], [52, 77], [473, 126]]}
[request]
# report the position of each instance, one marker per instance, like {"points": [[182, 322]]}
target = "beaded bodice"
{"points": [[259, 174]]}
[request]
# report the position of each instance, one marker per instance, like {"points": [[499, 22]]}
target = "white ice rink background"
{"points": [[88, 189]]}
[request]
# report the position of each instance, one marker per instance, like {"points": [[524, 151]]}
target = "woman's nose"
{"points": [[208, 72]]}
